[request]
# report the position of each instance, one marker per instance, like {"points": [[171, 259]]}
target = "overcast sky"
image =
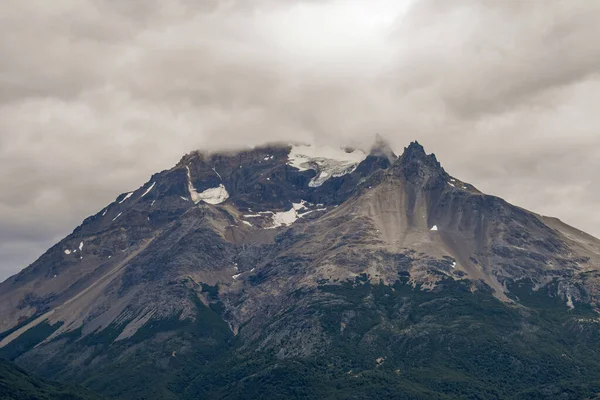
{"points": [[95, 96]]}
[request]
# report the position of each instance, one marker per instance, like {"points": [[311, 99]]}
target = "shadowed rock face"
{"points": [[242, 248]]}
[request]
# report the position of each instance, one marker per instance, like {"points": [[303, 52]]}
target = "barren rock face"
{"points": [[292, 256]]}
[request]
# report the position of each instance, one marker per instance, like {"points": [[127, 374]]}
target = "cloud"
{"points": [[97, 96]]}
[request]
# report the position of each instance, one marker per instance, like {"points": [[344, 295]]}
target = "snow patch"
{"points": [[284, 218], [214, 195], [191, 188], [311, 211], [126, 197], [451, 184], [434, 228], [328, 162], [105, 211], [153, 201], [118, 215], [81, 246], [454, 264], [67, 251], [211, 196], [299, 206], [149, 189], [236, 276]]}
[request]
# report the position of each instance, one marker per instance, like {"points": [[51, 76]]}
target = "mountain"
{"points": [[291, 271]]}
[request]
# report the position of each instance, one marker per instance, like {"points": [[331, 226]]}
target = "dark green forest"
{"points": [[16, 384]]}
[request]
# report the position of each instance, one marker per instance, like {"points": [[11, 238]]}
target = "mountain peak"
{"points": [[414, 150], [192, 252], [415, 162]]}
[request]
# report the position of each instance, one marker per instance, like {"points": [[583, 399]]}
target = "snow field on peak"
{"points": [[328, 162]]}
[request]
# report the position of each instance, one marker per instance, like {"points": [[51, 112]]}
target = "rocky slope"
{"points": [[282, 261]]}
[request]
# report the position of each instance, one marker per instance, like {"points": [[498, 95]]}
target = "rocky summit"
{"points": [[292, 271]]}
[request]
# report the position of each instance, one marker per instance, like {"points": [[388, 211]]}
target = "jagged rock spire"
{"points": [[416, 164], [414, 151]]}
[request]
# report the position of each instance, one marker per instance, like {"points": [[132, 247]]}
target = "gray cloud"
{"points": [[96, 96]]}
